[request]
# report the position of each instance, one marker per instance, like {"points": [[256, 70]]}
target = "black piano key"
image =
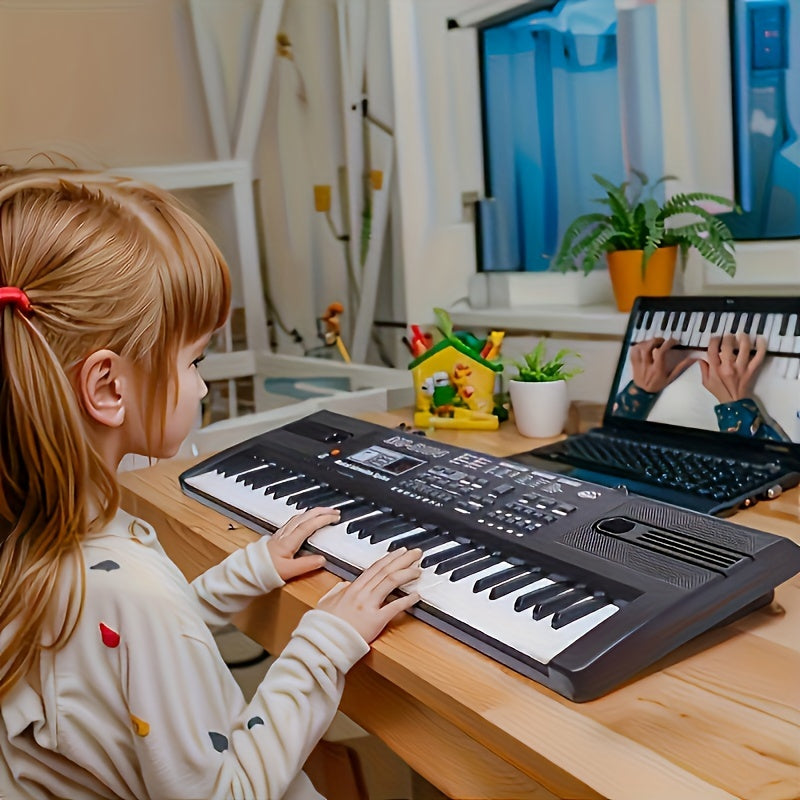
{"points": [[269, 480], [458, 561], [531, 575], [525, 601], [737, 315], [544, 608], [356, 508], [240, 462], [425, 540], [676, 318], [390, 531], [304, 492], [468, 570], [373, 525], [258, 478], [797, 325], [639, 319], [290, 487], [577, 611], [762, 323], [704, 321], [489, 581], [749, 318], [687, 321], [324, 497], [436, 558], [358, 525]]}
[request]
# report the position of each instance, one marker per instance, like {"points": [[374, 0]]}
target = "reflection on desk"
{"points": [[719, 719]]}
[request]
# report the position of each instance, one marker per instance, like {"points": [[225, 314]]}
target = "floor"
{"points": [[386, 776]]}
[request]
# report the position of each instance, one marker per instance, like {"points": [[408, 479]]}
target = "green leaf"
{"points": [[535, 367], [443, 322], [635, 220]]}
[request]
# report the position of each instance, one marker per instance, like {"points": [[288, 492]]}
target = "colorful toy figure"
{"points": [[454, 387]]}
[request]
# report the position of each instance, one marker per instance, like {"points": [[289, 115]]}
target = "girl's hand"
{"points": [[655, 364], [288, 539], [731, 369], [362, 602]]}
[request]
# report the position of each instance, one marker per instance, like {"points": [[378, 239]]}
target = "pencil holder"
{"points": [[454, 387]]}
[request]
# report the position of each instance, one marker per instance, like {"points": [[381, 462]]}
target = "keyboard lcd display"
{"points": [[385, 460]]}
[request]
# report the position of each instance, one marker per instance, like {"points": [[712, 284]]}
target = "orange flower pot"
{"points": [[625, 271]]}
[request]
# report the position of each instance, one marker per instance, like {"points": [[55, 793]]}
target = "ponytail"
{"points": [[45, 467], [101, 262]]}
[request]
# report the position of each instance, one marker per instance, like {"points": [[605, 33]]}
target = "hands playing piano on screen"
{"points": [[362, 602], [728, 370]]}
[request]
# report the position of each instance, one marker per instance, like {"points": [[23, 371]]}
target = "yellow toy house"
{"points": [[454, 387]]}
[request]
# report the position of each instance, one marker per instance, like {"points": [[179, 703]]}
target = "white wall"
{"points": [[117, 82]]}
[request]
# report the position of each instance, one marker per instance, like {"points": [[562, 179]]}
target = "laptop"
{"points": [[695, 435]]}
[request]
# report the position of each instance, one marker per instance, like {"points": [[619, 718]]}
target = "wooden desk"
{"points": [[720, 718]]}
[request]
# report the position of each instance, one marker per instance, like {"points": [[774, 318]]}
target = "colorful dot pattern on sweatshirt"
{"points": [[140, 727], [111, 638], [105, 566]]}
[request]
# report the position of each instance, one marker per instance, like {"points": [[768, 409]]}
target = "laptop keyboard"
{"points": [[701, 474]]}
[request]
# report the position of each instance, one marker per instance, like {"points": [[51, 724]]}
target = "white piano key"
{"points": [[683, 331], [333, 540], [774, 340], [694, 333], [752, 330], [517, 629], [706, 335], [741, 325], [251, 501], [495, 618], [773, 320], [728, 322]]}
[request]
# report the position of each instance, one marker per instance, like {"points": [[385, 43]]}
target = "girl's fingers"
{"points": [[387, 566], [387, 583], [394, 607], [301, 526], [301, 565]]}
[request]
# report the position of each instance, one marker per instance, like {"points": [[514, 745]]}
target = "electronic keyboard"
{"points": [[775, 320], [575, 585]]}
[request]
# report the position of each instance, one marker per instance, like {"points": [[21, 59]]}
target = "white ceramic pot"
{"points": [[540, 409]]}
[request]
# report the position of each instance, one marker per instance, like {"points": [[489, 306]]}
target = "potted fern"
{"points": [[538, 391], [641, 237]]}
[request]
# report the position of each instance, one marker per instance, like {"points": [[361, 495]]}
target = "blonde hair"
{"points": [[106, 262]]}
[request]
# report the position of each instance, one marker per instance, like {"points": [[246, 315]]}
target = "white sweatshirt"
{"points": [[139, 703]]}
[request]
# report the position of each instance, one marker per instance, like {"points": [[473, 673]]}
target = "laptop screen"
{"points": [[726, 365]]}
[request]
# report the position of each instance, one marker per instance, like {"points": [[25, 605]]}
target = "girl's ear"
{"points": [[102, 385]]}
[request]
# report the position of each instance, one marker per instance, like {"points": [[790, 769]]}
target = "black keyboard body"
{"points": [[666, 573], [715, 476]]}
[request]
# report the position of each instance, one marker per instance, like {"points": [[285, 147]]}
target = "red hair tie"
{"points": [[14, 296]]}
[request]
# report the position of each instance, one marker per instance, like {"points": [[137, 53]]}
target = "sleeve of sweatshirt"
{"points": [[194, 733], [227, 588]]}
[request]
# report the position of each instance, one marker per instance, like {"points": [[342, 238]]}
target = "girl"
{"points": [[111, 685]]}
